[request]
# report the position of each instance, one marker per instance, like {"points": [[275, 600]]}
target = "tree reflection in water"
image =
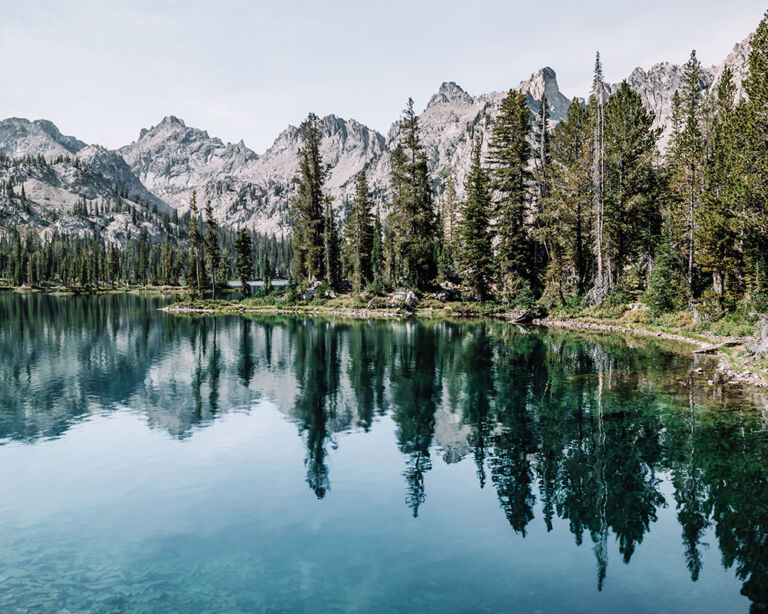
{"points": [[578, 427]]}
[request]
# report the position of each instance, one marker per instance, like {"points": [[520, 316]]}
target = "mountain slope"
{"points": [[160, 170]]}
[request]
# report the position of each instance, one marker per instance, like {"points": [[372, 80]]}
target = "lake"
{"points": [[158, 463]]}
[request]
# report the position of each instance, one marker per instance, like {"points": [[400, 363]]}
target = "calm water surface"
{"points": [[152, 463]]}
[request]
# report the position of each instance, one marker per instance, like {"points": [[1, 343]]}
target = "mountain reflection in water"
{"points": [[582, 428]]}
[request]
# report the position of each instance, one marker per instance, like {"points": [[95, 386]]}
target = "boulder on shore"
{"points": [[310, 292], [404, 298]]}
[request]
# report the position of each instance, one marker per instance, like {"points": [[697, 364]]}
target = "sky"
{"points": [[101, 70]]}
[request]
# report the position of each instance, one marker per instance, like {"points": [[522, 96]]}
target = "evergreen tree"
{"points": [[667, 287], [331, 248], [449, 209], [377, 250], [307, 208], [266, 272], [542, 160], [195, 237], [244, 254], [597, 107], [686, 162], [413, 220], [166, 263], [212, 248], [113, 265], [632, 221], [358, 234], [474, 229], [568, 212], [509, 156], [752, 122], [718, 228], [142, 272]]}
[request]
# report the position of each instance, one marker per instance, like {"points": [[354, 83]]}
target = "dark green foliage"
{"points": [[308, 207], [685, 164], [244, 254], [476, 258], [509, 156], [413, 220], [566, 219], [752, 122], [266, 273], [331, 248], [196, 242], [632, 221], [667, 286], [718, 223], [212, 249], [359, 236]]}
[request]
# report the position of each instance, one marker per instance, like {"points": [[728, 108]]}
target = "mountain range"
{"points": [[157, 173]]}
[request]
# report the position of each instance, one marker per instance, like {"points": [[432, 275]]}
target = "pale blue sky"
{"points": [[102, 70]]}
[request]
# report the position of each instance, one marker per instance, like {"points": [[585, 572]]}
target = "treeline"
{"points": [[586, 212], [93, 262]]}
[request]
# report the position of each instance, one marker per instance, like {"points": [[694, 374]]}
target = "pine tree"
{"points": [[113, 265], [718, 227], [449, 208], [307, 208], [597, 106], [568, 208], [686, 162], [474, 229], [212, 248], [377, 250], [752, 121], [331, 248], [632, 221], [166, 263], [244, 255], [541, 247], [266, 272], [413, 220], [195, 241], [358, 235], [509, 156], [142, 270]]}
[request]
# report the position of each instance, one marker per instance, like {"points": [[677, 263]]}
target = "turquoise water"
{"points": [[155, 463]]}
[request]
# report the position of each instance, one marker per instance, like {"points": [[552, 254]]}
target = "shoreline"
{"points": [[731, 368]]}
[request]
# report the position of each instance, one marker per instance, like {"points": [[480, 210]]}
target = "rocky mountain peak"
{"points": [[544, 82], [20, 137], [450, 93]]}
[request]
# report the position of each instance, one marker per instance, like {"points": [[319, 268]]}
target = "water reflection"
{"points": [[584, 430]]}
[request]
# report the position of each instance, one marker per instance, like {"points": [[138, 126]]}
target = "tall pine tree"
{"points": [[413, 220], [509, 156], [307, 208], [244, 255], [474, 229], [358, 235]]}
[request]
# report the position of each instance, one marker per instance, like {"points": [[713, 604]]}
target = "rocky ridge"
{"points": [[167, 162]]}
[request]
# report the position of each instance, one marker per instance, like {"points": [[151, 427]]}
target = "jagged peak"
{"points": [[450, 92], [544, 81], [27, 129], [172, 119]]}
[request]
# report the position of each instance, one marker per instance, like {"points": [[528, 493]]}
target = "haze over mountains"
{"points": [[158, 172]]}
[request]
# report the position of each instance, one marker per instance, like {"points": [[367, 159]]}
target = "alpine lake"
{"points": [[152, 462]]}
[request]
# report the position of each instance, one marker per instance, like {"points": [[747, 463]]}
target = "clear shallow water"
{"points": [[152, 463]]}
